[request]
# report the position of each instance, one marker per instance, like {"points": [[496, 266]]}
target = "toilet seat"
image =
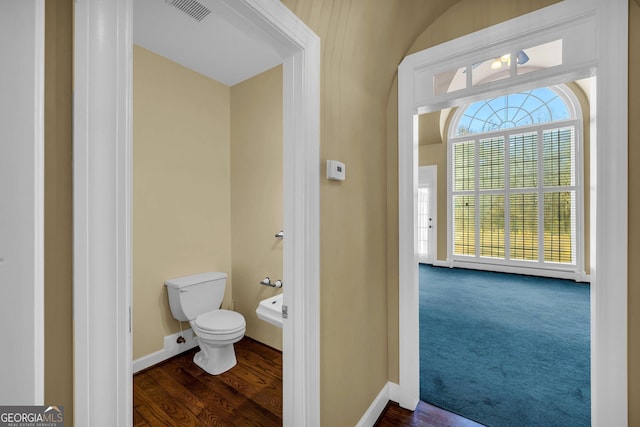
{"points": [[220, 322]]}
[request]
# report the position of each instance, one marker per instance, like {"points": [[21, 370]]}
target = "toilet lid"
{"points": [[220, 321]]}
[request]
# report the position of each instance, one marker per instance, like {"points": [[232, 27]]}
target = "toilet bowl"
{"points": [[197, 299], [217, 331]]}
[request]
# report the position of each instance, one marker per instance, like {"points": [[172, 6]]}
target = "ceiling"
{"points": [[212, 46]]}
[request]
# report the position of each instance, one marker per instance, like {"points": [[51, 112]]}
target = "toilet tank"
{"points": [[190, 296]]}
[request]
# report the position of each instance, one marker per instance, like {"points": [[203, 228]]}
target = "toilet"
{"points": [[197, 299]]}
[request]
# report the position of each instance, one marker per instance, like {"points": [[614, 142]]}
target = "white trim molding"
{"points": [[39, 335], [102, 205], [557, 274], [388, 393], [102, 213], [22, 201], [301, 258], [577, 22], [171, 348]]}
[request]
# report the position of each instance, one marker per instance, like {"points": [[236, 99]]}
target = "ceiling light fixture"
{"points": [[498, 63], [505, 60]]}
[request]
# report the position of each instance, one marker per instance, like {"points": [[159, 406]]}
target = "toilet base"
{"points": [[215, 359]]}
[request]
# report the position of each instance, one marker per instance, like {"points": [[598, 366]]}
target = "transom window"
{"points": [[514, 182]]}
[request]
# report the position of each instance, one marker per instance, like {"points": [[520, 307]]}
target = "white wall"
{"points": [[21, 202]]}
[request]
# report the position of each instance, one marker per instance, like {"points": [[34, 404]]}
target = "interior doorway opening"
{"points": [[102, 204], [419, 93], [487, 164]]}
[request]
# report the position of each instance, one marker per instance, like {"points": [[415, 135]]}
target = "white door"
{"points": [[427, 203], [21, 202]]}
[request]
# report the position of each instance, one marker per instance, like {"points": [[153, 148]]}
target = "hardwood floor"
{"points": [[178, 393], [425, 415]]}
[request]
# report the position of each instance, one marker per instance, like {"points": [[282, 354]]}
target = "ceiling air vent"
{"points": [[192, 8]]}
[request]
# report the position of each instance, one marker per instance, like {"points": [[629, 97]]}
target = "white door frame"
{"points": [[596, 37], [102, 206], [22, 201]]}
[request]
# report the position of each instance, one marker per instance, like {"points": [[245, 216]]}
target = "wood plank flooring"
{"points": [[425, 415], [180, 394]]}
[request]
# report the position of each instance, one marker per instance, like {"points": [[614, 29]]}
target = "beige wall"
{"points": [[58, 206], [362, 45], [181, 188], [256, 197], [432, 151]]}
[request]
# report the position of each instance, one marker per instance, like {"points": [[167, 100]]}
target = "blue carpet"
{"points": [[504, 349]]}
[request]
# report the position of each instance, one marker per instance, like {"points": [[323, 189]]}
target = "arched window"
{"points": [[514, 181]]}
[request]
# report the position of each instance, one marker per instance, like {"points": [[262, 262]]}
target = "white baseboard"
{"points": [[390, 391], [394, 392], [559, 274], [171, 348], [439, 263]]}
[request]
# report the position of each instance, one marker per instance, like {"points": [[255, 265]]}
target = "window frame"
{"points": [[537, 267]]}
